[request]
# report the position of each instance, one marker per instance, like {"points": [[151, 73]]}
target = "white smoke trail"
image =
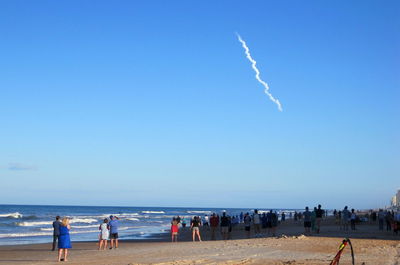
{"points": [[253, 65]]}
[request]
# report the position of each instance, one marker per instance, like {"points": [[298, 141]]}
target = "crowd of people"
{"points": [[108, 231], [261, 223], [225, 224], [387, 218]]}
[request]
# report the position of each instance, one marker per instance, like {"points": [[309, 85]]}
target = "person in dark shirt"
{"points": [[319, 213], [247, 224], [224, 226], [56, 231], [195, 226], [307, 222]]}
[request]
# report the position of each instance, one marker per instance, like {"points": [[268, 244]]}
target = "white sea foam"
{"points": [[46, 229], [34, 223], [122, 215], [42, 223], [25, 234], [83, 231], [83, 220], [153, 212], [32, 234], [199, 212], [132, 219], [84, 226], [11, 215]]}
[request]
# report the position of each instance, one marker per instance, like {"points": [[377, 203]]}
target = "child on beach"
{"points": [[174, 230], [104, 234]]}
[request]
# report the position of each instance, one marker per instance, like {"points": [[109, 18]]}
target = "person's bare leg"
{"points": [[193, 235], [105, 244], [111, 243], [59, 254], [198, 235], [116, 243], [65, 254]]}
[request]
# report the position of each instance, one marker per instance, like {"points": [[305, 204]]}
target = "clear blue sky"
{"points": [[153, 103]]}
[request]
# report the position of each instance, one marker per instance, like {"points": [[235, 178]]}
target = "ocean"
{"points": [[29, 224]]}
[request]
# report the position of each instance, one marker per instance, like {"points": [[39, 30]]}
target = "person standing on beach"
{"points": [[274, 222], [195, 226], [307, 222], [224, 226], [313, 218], [104, 234], [64, 241], [257, 223], [174, 230], [389, 220], [381, 218], [214, 222], [56, 232], [183, 222], [264, 223], [206, 219], [353, 217], [247, 224], [319, 214], [345, 218], [113, 224]]}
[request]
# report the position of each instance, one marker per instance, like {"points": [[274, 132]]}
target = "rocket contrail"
{"points": [[253, 65]]}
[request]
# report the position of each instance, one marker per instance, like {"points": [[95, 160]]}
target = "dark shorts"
{"points": [[247, 228], [307, 224], [114, 236]]}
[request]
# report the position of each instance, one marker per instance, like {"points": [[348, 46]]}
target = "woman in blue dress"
{"points": [[64, 242]]}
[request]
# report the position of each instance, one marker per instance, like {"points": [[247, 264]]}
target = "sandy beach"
{"points": [[290, 246]]}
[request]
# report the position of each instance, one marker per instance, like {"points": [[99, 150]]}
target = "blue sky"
{"points": [[153, 103]]}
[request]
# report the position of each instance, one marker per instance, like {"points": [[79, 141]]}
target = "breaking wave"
{"points": [[15, 215]]}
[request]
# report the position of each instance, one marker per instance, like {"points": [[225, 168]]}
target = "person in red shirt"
{"points": [[174, 230], [214, 223]]}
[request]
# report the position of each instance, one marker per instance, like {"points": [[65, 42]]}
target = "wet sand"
{"points": [[290, 246]]}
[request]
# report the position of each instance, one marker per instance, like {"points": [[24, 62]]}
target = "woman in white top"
{"points": [[104, 234]]}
